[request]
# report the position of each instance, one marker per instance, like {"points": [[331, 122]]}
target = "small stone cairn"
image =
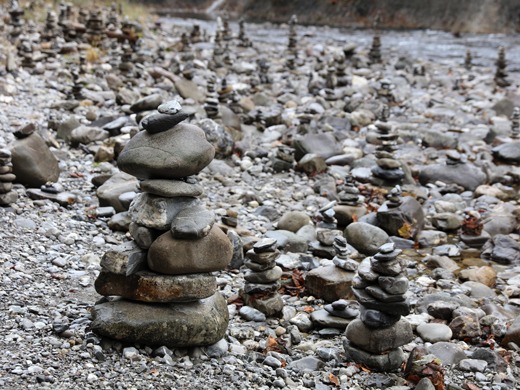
{"points": [[400, 216], [374, 55], [211, 103], [263, 278], [95, 27], [16, 13], [472, 230], [341, 71], [515, 124], [244, 41], [164, 276], [501, 74], [51, 27], [468, 60], [380, 287], [263, 71], [293, 43], [387, 169], [7, 195]]}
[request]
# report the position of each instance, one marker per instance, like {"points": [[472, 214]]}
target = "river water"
{"points": [[419, 45]]}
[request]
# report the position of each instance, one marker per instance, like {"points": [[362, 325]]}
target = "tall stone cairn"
{"points": [[468, 60], [380, 287], [501, 74], [164, 276], [515, 123]]}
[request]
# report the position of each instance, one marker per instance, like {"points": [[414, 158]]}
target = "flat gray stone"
{"points": [[192, 222], [173, 154], [146, 286], [174, 325], [171, 188]]}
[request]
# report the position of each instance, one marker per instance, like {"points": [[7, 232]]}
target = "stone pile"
{"points": [[16, 22], [242, 36], [374, 55], [336, 315], [515, 123], [7, 195], [292, 44], [263, 71], [26, 52], [211, 103], [380, 287], [501, 74], [350, 203], [164, 276], [95, 27], [387, 169], [468, 60], [472, 230], [263, 278], [400, 216], [51, 27], [342, 78]]}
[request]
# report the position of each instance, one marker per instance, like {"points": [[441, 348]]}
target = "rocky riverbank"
{"points": [[290, 139]]}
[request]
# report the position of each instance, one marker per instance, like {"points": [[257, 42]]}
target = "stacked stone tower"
{"points": [[501, 73], [380, 287], [263, 278], [164, 276]]}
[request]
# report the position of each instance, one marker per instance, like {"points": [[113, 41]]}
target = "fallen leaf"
{"points": [[405, 231], [308, 309], [334, 380]]}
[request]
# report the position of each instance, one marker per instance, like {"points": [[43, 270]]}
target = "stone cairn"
{"points": [[263, 278], [342, 77], [26, 52], [95, 27], [7, 195], [388, 169], [164, 276], [501, 74], [380, 287], [515, 123], [400, 216], [244, 41], [263, 71], [293, 43], [16, 13], [211, 103], [468, 60], [472, 230], [374, 55], [51, 27]]}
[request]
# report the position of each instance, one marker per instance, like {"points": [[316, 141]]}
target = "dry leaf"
{"points": [[334, 380], [308, 309], [405, 231]]}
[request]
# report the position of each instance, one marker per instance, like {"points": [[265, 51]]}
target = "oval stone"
{"points": [[179, 152], [174, 256]]}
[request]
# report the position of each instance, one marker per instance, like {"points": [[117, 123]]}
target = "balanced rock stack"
{"points": [[380, 287], [400, 216], [501, 77], [263, 278], [7, 195], [165, 275], [387, 169]]}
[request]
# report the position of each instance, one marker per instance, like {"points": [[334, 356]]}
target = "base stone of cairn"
{"points": [[380, 288], [163, 278]]}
